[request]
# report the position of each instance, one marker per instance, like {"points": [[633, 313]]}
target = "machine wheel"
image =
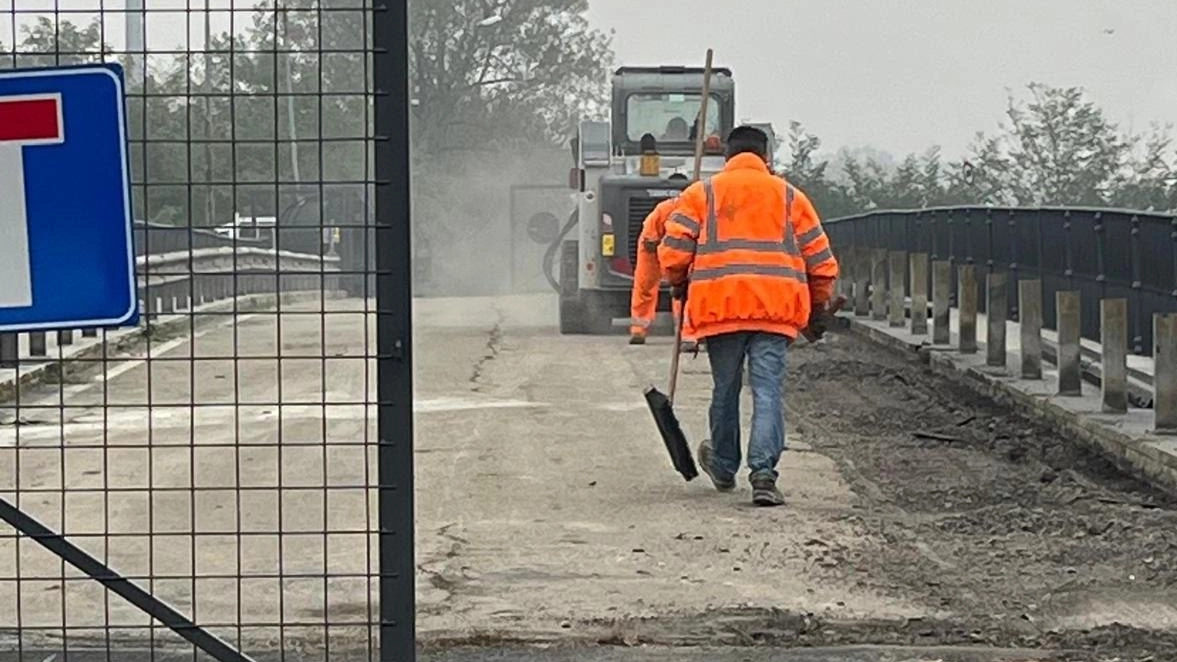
{"points": [[572, 312], [581, 312]]}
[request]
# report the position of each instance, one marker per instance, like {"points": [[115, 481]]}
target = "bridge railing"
{"points": [[154, 238], [1100, 253]]}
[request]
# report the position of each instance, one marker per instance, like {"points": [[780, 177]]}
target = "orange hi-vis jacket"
{"points": [[753, 249], [647, 274]]}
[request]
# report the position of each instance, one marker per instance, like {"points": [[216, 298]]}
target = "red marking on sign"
{"points": [[29, 119]]}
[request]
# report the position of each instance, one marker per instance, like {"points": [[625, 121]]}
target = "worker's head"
{"points": [[747, 139], [676, 129]]}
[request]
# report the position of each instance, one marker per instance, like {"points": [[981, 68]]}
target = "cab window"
{"points": [[669, 117]]}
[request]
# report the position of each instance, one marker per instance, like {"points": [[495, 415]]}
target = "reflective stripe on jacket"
{"points": [[654, 227], [749, 243]]}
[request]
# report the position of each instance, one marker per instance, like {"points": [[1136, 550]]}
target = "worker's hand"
{"points": [[818, 322]]}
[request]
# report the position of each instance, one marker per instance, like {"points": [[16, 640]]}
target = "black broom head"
{"points": [[672, 434]]}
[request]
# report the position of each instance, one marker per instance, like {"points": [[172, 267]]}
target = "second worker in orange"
{"points": [[647, 279]]}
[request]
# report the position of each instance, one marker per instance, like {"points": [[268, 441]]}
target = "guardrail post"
{"points": [[9, 350], [150, 305], [997, 308], [65, 337], [862, 268], [1113, 332], [841, 285], [1069, 378], [919, 294], [167, 304], [1030, 315], [37, 344], [896, 312], [967, 300], [941, 292], [878, 284], [1164, 334]]}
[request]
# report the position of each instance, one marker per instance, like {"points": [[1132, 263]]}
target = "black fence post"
{"points": [[394, 273]]}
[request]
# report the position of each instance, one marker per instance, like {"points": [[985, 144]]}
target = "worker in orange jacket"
{"points": [[748, 251], [647, 280]]}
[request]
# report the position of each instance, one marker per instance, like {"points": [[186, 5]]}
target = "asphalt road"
{"points": [[547, 510]]}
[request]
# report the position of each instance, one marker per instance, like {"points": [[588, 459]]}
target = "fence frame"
{"points": [[393, 355], [394, 328]]}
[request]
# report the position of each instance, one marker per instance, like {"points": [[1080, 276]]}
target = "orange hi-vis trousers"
{"points": [[647, 280]]}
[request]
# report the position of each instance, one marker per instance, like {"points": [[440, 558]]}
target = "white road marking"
{"points": [[163, 418], [466, 404]]}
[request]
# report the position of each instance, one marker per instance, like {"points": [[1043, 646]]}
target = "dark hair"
{"points": [[747, 139]]}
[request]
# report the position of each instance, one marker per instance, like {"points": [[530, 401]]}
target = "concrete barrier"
{"points": [[919, 294], [862, 274], [1113, 324], [1165, 373], [996, 306], [878, 285], [1070, 379], [967, 299], [897, 302], [1030, 319], [941, 297]]}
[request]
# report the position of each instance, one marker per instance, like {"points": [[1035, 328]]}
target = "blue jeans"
{"points": [[766, 364]]}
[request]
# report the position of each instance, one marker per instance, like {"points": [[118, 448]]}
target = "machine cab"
{"points": [[664, 102], [654, 124], [624, 167]]}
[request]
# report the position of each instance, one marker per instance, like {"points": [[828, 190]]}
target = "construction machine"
{"points": [[623, 168]]}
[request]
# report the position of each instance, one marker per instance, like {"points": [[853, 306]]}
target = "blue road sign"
{"points": [[67, 257]]}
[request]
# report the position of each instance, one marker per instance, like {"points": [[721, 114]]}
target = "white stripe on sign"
{"points": [[16, 283]]}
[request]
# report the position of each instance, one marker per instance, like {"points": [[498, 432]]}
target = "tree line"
{"points": [[1055, 147], [279, 112]]}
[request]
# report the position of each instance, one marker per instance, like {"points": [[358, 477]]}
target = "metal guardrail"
{"points": [[1100, 253], [155, 238], [180, 280]]}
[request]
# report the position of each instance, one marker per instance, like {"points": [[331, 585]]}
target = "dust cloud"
{"points": [[470, 220]]}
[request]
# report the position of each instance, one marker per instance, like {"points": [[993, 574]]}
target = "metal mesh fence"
{"points": [[222, 457]]}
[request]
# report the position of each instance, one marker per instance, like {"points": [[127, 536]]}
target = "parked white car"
{"points": [[248, 227]]}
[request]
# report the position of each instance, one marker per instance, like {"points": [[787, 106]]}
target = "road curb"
{"points": [[1127, 441]]}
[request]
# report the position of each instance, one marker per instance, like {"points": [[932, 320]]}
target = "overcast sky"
{"points": [[902, 75]]}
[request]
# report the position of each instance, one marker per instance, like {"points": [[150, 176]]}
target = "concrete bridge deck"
{"points": [[919, 515]]}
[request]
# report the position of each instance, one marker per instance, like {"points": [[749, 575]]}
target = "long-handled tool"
{"points": [[662, 405]]}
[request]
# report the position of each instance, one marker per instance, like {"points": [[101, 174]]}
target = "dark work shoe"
{"points": [[705, 457], [637, 339], [765, 492]]}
